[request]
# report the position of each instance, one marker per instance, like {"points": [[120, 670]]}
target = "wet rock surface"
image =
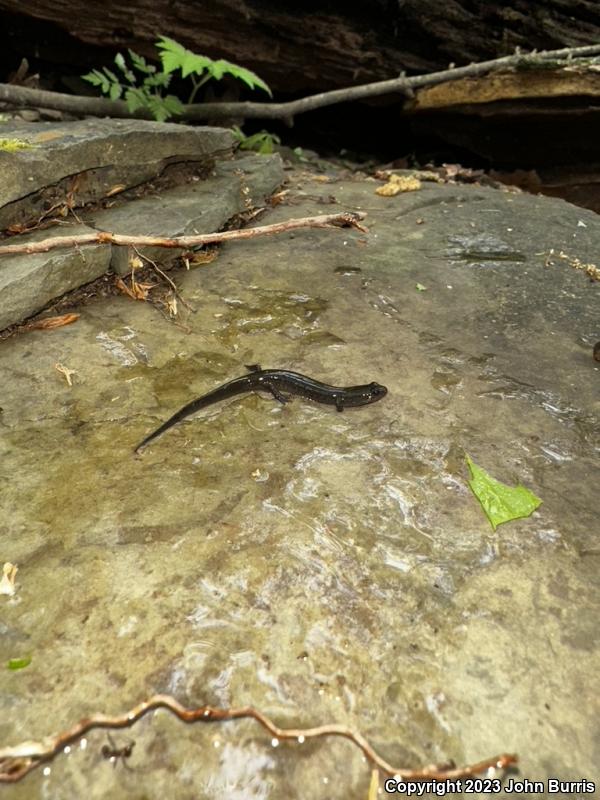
{"points": [[322, 567]]}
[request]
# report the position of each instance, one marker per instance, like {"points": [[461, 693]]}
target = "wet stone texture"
{"points": [[323, 567]]}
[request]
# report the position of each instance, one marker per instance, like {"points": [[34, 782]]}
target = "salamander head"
{"points": [[376, 392]]}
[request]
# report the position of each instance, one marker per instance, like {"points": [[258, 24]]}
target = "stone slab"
{"points": [[100, 154], [321, 567], [200, 207], [29, 282]]}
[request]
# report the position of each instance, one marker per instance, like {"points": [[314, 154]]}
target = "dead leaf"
{"points": [[122, 286], [66, 372], [138, 291], [53, 322], [141, 290], [7, 582], [172, 306], [118, 187], [278, 197], [202, 257], [15, 228]]}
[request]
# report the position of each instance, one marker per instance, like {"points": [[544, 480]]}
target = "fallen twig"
{"points": [[18, 761], [349, 219], [163, 275], [99, 106], [22, 96], [66, 372]]}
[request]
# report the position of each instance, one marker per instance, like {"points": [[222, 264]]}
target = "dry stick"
{"points": [[18, 761], [163, 275], [99, 106], [345, 219]]}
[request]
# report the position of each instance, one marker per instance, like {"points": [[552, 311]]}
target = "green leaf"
{"points": [[251, 79], [173, 105], [262, 142], [140, 63], [18, 663], [111, 75], [161, 79], [171, 53], [98, 78], [135, 98], [115, 91], [175, 56], [94, 77], [120, 62], [500, 502], [194, 64], [157, 107]]}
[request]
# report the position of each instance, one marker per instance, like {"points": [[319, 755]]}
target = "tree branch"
{"points": [[16, 762], [98, 106], [345, 219]]}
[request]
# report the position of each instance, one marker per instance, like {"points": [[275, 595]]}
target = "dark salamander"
{"points": [[277, 381]]}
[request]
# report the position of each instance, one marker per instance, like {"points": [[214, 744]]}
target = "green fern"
{"points": [[175, 56], [148, 94], [142, 85], [262, 142]]}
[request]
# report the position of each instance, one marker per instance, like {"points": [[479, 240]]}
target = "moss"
{"points": [[12, 145]]}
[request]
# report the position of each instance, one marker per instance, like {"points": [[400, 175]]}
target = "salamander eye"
{"points": [[377, 390]]}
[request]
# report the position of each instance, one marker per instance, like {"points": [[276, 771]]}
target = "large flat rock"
{"points": [[322, 567], [87, 158]]}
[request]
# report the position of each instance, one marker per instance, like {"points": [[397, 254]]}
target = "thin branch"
{"points": [[98, 106], [165, 277], [18, 761], [345, 219]]}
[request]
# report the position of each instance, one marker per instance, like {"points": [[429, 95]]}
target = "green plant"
{"points": [[174, 56], [149, 93], [262, 142], [145, 94]]}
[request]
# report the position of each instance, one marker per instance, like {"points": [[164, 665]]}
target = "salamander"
{"points": [[277, 382]]}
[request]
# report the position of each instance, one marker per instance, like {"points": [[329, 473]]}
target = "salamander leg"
{"points": [[339, 403], [254, 367], [276, 393]]}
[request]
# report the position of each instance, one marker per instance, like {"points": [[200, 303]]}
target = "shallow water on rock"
{"points": [[322, 567]]}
